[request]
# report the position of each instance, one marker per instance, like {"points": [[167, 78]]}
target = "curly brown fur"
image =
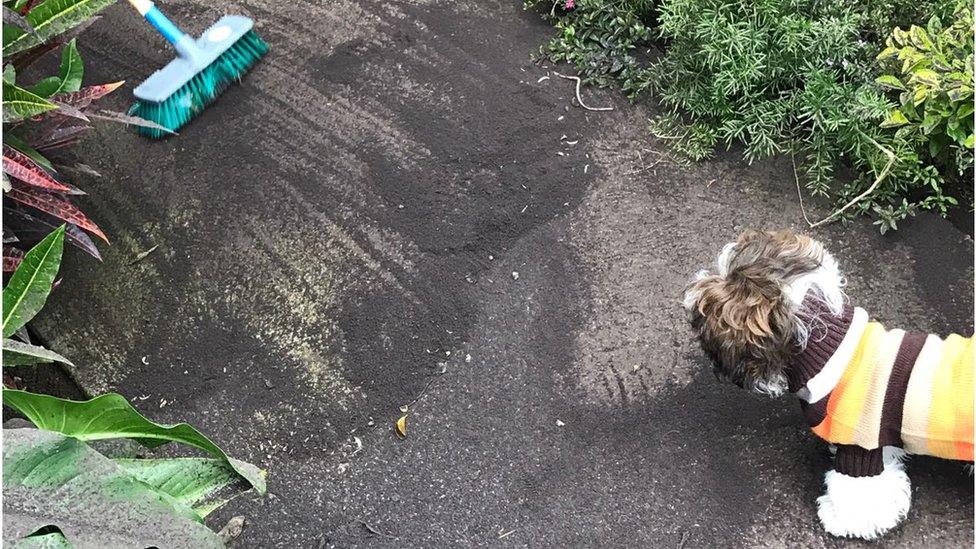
{"points": [[743, 315]]}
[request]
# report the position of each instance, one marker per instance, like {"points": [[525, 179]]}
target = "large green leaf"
{"points": [[111, 416], [895, 118], [70, 73], [18, 353], [203, 484], [890, 81], [19, 103], [49, 19], [30, 284], [53, 480]]}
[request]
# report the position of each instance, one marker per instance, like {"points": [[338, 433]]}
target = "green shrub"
{"points": [[601, 38], [789, 77], [792, 77], [931, 68]]}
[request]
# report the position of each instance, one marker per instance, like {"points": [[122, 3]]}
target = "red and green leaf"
{"points": [[62, 136], [113, 116], [56, 206], [19, 165], [72, 233], [84, 97], [12, 140]]}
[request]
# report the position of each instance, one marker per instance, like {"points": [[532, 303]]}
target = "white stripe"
{"points": [[826, 379], [142, 6], [918, 397]]}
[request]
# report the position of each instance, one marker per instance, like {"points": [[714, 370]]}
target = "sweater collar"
{"points": [[827, 331]]}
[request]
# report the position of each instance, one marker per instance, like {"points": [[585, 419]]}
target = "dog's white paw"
{"points": [[865, 507]]}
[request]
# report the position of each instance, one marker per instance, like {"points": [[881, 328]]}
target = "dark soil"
{"points": [[395, 208]]}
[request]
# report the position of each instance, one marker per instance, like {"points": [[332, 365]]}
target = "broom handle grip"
{"points": [[183, 43]]}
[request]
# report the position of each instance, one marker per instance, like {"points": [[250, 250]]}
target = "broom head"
{"points": [[183, 88]]}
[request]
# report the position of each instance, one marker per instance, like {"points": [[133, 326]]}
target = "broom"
{"points": [[203, 69]]}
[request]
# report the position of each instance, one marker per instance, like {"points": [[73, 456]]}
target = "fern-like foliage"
{"points": [[793, 77]]}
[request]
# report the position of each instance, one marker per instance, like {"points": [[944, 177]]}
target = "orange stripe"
{"points": [[963, 393], [840, 430], [823, 430], [944, 414]]}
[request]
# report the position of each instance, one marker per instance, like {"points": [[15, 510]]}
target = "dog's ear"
{"points": [[744, 322]]}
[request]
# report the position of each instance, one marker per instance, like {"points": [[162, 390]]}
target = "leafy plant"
{"points": [[60, 490], [45, 118], [792, 77], [601, 38], [46, 20], [931, 68], [24, 296]]}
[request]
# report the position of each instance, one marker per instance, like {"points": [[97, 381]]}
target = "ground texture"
{"points": [[396, 208]]}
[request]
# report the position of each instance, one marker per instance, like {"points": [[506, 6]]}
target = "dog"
{"points": [[774, 318]]}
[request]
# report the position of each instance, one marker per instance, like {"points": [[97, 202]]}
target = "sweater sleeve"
{"points": [[855, 461]]}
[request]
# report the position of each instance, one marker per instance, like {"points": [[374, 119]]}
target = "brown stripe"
{"points": [[894, 401], [826, 333], [855, 461], [816, 412]]}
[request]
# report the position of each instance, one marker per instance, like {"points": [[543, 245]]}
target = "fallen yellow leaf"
{"points": [[401, 427]]}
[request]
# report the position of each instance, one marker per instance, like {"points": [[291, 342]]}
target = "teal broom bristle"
{"points": [[203, 88]]}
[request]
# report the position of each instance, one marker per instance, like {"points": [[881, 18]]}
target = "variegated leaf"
{"points": [[129, 119], [18, 353], [49, 19], [61, 137], [19, 103], [56, 206], [21, 166], [84, 97], [72, 233]]}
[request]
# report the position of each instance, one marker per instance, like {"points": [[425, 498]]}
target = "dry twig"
{"points": [[799, 193], [579, 99], [374, 531], [881, 176]]}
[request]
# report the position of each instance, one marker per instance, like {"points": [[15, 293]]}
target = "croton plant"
{"points": [[42, 118]]}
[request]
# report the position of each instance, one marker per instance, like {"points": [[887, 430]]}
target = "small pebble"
{"points": [[515, 275]]}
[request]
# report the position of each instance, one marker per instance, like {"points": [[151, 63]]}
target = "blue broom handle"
{"points": [[181, 41], [167, 28]]}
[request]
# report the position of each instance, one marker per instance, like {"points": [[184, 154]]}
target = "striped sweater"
{"points": [[863, 387]]}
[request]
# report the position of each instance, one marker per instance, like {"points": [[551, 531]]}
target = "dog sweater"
{"points": [[863, 387]]}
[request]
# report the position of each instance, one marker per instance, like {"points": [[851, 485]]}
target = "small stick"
{"points": [[374, 531], [684, 538], [424, 391], [799, 194], [881, 176], [142, 255], [579, 99], [645, 168]]}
